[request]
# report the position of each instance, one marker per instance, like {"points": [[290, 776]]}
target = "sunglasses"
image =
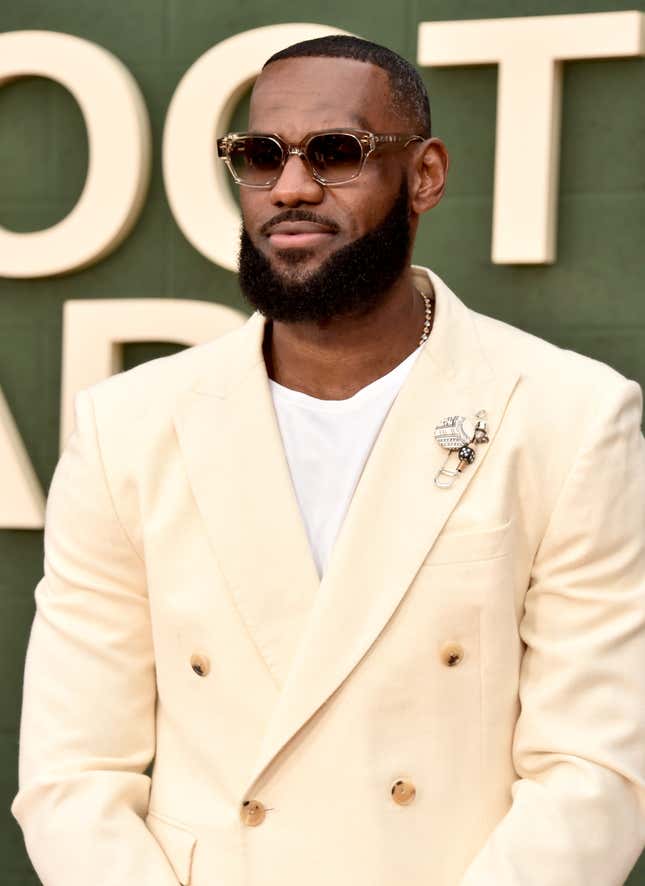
{"points": [[334, 156]]}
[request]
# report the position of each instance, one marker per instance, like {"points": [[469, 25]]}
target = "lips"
{"points": [[289, 234]]}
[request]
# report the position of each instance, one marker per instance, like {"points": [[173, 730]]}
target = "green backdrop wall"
{"points": [[590, 300]]}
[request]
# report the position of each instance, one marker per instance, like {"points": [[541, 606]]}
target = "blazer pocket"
{"points": [[177, 842], [462, 547]]}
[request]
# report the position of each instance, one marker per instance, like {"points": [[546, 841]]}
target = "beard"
{"points": [[351, 282]]}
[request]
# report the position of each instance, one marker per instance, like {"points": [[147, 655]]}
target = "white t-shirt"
{"points": [[327, 443]]}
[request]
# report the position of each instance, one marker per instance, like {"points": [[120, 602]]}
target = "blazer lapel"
{"points": [[237, 468], [394, 518]]}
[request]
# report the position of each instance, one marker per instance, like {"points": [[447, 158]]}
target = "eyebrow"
{"points": [[362, 122], [359, 120]]}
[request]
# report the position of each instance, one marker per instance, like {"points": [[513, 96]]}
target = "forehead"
{"points": [[298, 95]]}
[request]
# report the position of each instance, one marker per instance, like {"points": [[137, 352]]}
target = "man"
{"points": [[365, 576]]}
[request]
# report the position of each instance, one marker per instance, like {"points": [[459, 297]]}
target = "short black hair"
{"points": [[409, 95]]}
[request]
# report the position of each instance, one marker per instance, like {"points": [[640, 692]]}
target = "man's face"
{"points": [[346, 244]]}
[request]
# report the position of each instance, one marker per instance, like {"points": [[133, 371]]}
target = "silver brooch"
{"points": [[459, 434]]}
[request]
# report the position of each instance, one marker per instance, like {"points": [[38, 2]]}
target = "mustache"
{"points": [[292, 215]]}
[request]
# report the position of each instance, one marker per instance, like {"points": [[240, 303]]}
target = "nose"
{"points": [[296, 184]]}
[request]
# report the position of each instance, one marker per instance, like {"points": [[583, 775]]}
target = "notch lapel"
{"points": [[394, 517]]}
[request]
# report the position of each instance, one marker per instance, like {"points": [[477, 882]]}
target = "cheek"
{"points": [[369, 204], [246, 208], [365, 214], [255, 208]]}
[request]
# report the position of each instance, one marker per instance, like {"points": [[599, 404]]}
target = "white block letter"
{"points": [[95, 329], [118, 132], [22, 504], [530, 52]]}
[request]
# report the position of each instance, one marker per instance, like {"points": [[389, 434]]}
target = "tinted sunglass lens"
{"points": [[336, 156], [256, 160]]}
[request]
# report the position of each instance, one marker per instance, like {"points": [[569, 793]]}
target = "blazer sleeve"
{"points": [[87, 728], [577, 815]]}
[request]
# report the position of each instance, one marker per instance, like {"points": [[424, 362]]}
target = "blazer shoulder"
{"points": [[156, 384], [546, 367]]}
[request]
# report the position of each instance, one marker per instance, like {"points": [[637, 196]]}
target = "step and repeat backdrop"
{"points": [[118, 229]]}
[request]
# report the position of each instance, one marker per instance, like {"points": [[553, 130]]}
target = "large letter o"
{"points": [[118, 131], [200, 110]]}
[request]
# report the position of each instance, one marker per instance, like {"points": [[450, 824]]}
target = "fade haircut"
{"points": [[409, 99]]}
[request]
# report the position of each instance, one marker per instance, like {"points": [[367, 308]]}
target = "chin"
{"points": [[295, 257], [296, 264]]}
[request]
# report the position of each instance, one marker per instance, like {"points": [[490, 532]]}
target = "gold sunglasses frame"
{"points": [[369, 142]]}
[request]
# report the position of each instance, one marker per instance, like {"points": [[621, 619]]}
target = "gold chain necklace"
{"points": [[428, 320]]}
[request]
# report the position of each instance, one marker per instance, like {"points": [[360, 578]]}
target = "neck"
{"points": [[334, 360]]}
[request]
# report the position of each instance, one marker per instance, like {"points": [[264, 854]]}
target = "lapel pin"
{"points": [[456, 433]]}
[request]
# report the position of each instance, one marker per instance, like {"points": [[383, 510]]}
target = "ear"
{"points": [[428, 175]]}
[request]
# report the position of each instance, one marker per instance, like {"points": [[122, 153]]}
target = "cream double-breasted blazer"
{"points": [[482, 645]]}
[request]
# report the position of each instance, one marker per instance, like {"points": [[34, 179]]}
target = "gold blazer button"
{"points": [[200, 664], [403, 792], [252, 813], [452, 653]]}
